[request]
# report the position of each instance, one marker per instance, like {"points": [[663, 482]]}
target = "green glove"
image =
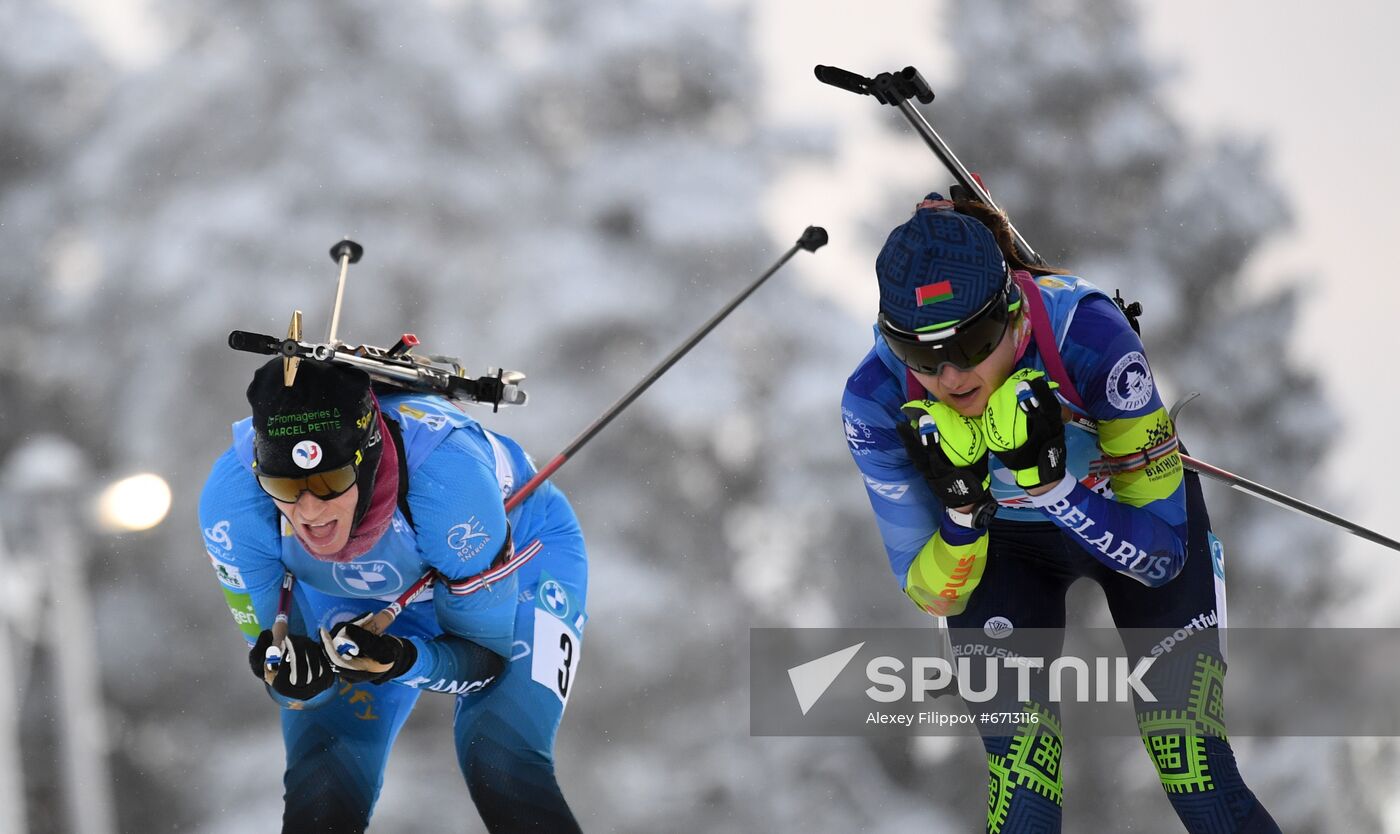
{"points": [[1023, 428]]}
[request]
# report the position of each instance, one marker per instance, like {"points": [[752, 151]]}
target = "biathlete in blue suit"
{"points": [[1012, 441], [357, 496]]}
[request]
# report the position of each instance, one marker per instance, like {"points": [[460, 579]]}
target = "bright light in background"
{"points": [[128, 31], [136, 503]]}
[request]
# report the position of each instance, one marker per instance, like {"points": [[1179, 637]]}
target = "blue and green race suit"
{"points": [[1126, 516]]}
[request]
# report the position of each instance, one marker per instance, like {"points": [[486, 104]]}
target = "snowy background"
{"points": [[570, 192]]}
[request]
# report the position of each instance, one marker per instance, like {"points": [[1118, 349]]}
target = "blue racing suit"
{"points": [[1125, 515], [524, 603]]}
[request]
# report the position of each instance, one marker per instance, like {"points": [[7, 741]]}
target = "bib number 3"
{"points": [[554, 656], [566, 644]]}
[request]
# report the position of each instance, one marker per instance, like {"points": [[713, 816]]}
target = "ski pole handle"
{"points": [[844, 79], [892, 88], [896, 89], [272, 659]]}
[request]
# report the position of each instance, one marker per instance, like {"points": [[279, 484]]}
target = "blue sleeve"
{"points": [[906, 510], [462, 533], [1141, 530], [240, 525], [241, 538]]}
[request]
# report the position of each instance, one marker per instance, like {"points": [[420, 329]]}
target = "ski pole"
{"points": [[813, 238], [345, 253], [896, 89], [1288, 502], [273, 657]]}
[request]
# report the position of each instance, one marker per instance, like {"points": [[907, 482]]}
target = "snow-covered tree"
{"points": [[54, 84]]}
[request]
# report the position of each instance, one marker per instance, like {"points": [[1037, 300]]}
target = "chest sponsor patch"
{"points": [[1129, 385], [368, 579]]}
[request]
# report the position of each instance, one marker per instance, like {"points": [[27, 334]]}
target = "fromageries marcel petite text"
{"points": [[303, 422]]}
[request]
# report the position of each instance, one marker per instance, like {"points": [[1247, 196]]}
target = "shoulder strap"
{"points": [[396, 434], [1044, 334]]}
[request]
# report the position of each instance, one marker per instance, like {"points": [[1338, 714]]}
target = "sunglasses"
{"points": [[964, 345], [324, 485]]}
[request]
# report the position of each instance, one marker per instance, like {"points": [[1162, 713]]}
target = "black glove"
{"points": [[361, 655], [304, 671], [1026, 407], [955, 486]]}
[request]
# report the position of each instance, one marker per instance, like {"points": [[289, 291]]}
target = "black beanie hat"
{"points": [[318, 424]]}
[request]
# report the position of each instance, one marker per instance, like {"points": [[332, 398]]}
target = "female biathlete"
{"points": [[1012, 441]]}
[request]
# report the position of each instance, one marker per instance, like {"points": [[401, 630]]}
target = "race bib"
{"points": [[558, 628]]}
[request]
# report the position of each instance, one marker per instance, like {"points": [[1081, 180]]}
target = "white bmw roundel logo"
{"points": [[554, 598], [368, 579]]}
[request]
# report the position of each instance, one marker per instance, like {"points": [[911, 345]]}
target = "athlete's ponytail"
{"points": [[1001, 229]]}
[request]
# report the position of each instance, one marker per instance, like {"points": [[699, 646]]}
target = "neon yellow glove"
{"points": [[1023, 428], [948, 450]]}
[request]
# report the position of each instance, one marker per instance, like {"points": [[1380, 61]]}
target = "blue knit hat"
{"points": [[938, 268]]}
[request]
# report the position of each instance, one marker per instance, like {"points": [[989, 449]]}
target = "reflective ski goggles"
{"points": [[964, 345], [324, 485]]}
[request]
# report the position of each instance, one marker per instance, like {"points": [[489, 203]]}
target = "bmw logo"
{"points": [[554, 598], [368, 579]]}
